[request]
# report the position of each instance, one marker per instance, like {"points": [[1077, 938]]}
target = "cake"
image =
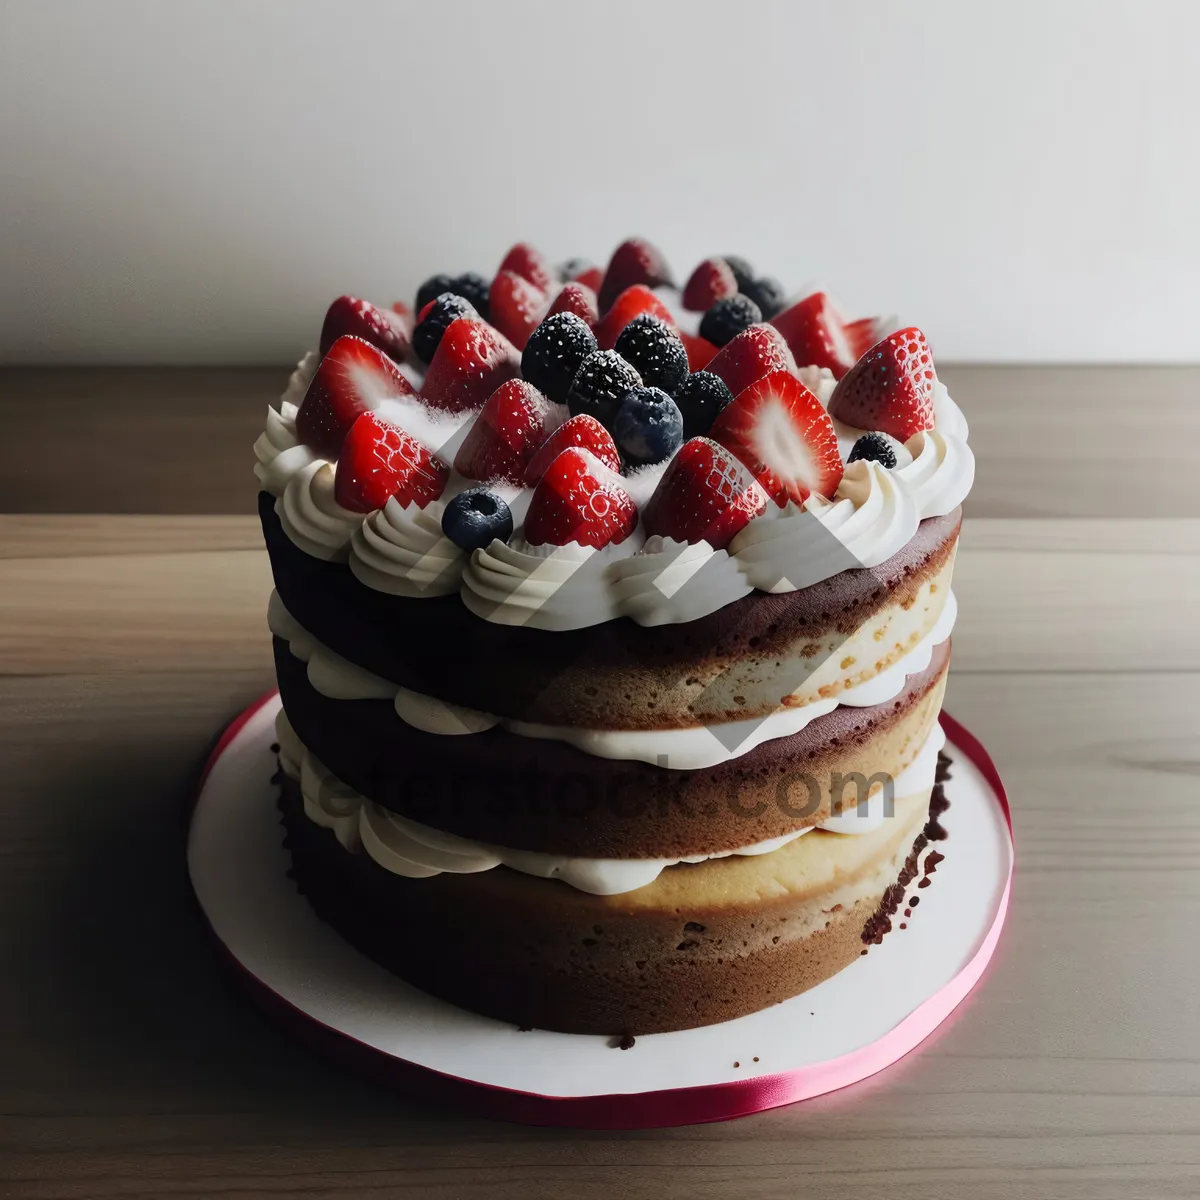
{"points": [[611, 625]]}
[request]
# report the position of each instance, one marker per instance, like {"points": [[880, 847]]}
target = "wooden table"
{"points": [[132, 1067]]}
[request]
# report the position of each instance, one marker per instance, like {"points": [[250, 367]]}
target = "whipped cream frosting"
{"points": [[406, 847]]}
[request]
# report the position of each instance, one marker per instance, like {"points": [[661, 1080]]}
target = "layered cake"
{"points": [[611, 623]]}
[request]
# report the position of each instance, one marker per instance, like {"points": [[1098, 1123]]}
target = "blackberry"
{"points": [[701, 397], [654, 348], [428, 334], [767, 293], [554, 352], [743, 272], [476, 516], [648, 427], [727, 318], [475, 288], [432, 288], [600, 385], [873, 447]]}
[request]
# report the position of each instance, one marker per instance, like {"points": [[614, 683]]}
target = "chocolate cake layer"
{"points": [[735, 663], [538, 794]]}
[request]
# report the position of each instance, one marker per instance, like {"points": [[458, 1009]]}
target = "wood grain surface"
{"points": [[130, 1066]]}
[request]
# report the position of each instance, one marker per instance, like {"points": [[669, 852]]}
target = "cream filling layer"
{"points": [[416, 851]]}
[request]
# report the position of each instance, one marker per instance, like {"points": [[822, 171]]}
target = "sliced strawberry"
{"points": [[816, 334], [530, 263], [348, 315], [583, 431], [506, 434], [380, 460], [700, 351], [579, 500], [705, 495], [711, 281], [632, 302], [472, 360], [579, 299], [634, 261], [889, 389], [515, 307], [782, 432], [745, 359], [353, 378]]}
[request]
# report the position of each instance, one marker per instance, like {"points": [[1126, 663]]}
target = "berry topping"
{"points": [[653, 347], [700, 351], [873, 447], [583, 431], [648, 427], [743, 272], [353, 378], [432, 288], [510, 427], [705, 495], [360, 318], [780, 430], [634, 261], [530, 263], [474, 517], [600, 385], [767, 293], [816, 334], [701, 397], [516, 307], [580, 270], [380, 460], [554, 352], [711, 281], [890, 388], [471, 362], [729, 317], [754, 353], [434, 320], [473, 287], [632, 302], [579, 299], [579, 500]]}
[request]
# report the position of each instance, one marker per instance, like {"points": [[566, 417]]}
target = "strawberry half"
{"points": [[782, 432], [350, 316], [579, 500], [817, 334], [634, 261], [700, 351], [530, 263], [711, 281], [353, 378], [515, 307], [889, 389], [706, 495], [583, 431], [506, 434], [472, 360], [632, 302], [579, 299], [745, 359], [380, 460]]}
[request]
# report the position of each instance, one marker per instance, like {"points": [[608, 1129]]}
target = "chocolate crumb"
{"points": [[915, 900], [908, 911], [756, 1058], [903, 925], [624, 1042], [737, 1064]]}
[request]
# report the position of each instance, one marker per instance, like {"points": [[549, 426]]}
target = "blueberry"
{"points": [[476, 516], [873, 447], [701, 397], [554, 352], [727, 318], [743, 272], [654, 348], [432, 288], [767, 293], [648, 426], [428, 334], [600, 385], [475, 288]]}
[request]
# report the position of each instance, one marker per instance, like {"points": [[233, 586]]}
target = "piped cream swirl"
{"points": [[402, 550], [310, 515]]}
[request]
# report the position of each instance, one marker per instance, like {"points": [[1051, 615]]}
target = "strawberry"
{"points": [[579, 299], [700, 351], [380, 460], [862, 334], [889, 389], [530, 263], [353, 378], [816, 333], [782, 432], [745, 359], [506, 434], [705, 495], [579, 270], [579, 500], [632, 302], [711, 281], [634, 261], [360, 318], [583, 431], [515, 307], [472, 360]]}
